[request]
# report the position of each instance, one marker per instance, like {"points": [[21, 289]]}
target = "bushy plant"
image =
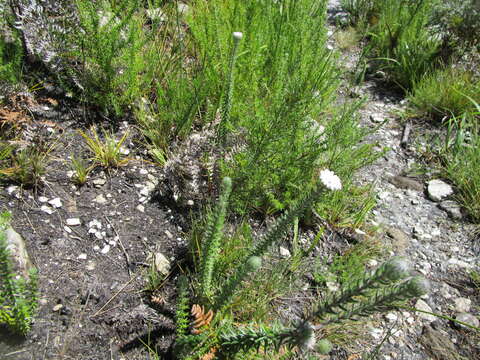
{"points": [[18, 295], [460, 159], [441, 94], [214, 329], [401, 42], [281, 123]]}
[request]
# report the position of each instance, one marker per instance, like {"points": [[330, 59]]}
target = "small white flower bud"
{"points": [[237, 36]]}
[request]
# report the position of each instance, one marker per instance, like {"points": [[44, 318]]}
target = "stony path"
{"points": [[432, 234]]}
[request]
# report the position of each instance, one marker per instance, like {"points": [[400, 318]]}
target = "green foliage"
{"points": [[18, 296], [386, 275], [27, 166], [460, 20], [401, 43], [284, 85], [460, 159], [11, 59], [442, 93], [106, 153], [377, 291], [81, 169], [213, 235]]}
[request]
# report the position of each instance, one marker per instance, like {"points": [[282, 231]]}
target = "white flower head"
{"points": [[330, 180], [237, 36]]}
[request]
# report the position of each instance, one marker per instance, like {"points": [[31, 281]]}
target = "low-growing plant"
{"points": [[81, 170], [18, 295], [401, 43], [106, 153], [26, 166], [11, 59], [460, 159], [441, 94], [214, 329]]}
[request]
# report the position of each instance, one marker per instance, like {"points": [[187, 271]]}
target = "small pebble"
{"points": [[73, 222]]}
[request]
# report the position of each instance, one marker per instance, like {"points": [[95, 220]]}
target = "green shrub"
{"points": [[11, 59], [401, 43], [460, 159], [281, 124], [216, 327], [18, 296], [442, 94]]}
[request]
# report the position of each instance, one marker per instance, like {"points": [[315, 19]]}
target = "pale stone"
{"points": [[46, 209], [56, 203], [161, 263], [462, 305], [105, 249], [284, 252], [82, 256], [438, 190], [467, 319], [422, 305], [57, 307], [18, 252], [73, 222], [100, 199]]}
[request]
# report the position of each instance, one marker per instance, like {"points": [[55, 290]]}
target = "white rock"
{"points": [[100, 199], [67, 229], [46, 209], [57, 307], [73, 222], [11, 189], [376, 333], [468, 319], [42, 199], [144, 192], [392, 317], [438, 190], [284, 252], [190, 202], [105, 249], [99, 182], [95, 224], [82, 257], [18, 252], [161, 263], [169, 234], [90, 265], [422, 305], [56, 203], [143, 171], [96, 248], [462, 305], [140, 208]]}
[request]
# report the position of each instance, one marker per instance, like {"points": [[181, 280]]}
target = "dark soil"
{"points": [[92, 303]]}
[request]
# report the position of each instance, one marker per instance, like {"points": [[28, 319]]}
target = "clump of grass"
{"points": [[18, 295], [27, 166], [81, 170], [347, 38], [401, 42], [460, 159], [106, 153], [441, 94]]}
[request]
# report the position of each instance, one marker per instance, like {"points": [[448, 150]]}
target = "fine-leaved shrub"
{"points": [[18, 295], [214, 326]]}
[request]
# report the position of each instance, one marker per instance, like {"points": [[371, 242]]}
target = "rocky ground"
{"points": [[93, 244], [419, 220]]}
